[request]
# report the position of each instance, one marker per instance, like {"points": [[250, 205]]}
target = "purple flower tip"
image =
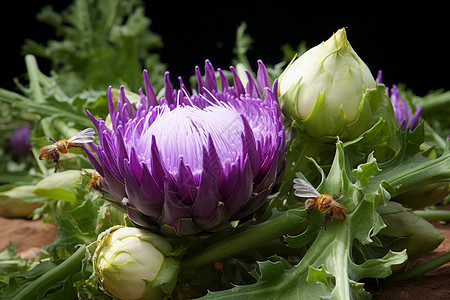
{"points": [[193, 162], [403, 114]]}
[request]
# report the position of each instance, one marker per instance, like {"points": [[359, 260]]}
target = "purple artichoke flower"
{"points": [[403, 114], [20, 140], [194, 162]]}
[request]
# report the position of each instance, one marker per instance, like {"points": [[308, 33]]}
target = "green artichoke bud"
{"points": [[409, 231], [325, 90], [133, 263]]}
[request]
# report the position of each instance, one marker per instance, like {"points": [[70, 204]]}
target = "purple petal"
{"points": [[131, 111], [249, 146], [199, 79], [94, 161], [168, 91], [149, 187], [416, 117], [238, 86], [205, 205], [187, 188], [149, 92], [157, 168], [136, 198], [138, 218], [223, 80], [253, 204], [251, 89], [135, 165], [380, 77], [262, 78], [243, 190], [212, 164], [173, 209], [210, 78], [114, 185]]}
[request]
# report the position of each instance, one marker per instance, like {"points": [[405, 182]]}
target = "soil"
{"points": [[28, 236]]}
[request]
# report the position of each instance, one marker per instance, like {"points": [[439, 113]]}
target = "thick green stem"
{"points": [[39, 286], [287, 222], [423, 268], [434, 215]]}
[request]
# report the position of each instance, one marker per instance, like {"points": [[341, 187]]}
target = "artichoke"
{"points": [[192, 163], [132, 263], [325, 88]]}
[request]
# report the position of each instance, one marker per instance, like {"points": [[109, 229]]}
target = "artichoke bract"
{"points": [[195, 162], [133, 263], [324, 90]]}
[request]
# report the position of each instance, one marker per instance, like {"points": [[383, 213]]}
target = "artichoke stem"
{"points": [[287, 222], [434, 215], [422, 269]]}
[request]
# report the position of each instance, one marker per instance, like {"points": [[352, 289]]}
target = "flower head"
{"points": [[324, 90], [193, 162], [133, 263], [403, 114]]}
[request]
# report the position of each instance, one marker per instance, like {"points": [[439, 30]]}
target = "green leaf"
{"points": [[61, 186]]}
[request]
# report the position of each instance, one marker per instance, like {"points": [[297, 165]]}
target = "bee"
{"points": [[323, 202], [51, 152], [95, 182]]}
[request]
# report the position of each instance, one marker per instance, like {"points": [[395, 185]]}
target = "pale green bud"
{"points": [[133, 263], [324, 89]]}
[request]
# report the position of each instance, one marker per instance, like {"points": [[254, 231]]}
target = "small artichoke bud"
{"points": [[325, 90], [133, 263], [414, 233]]}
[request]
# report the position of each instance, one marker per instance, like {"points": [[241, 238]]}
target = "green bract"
{"points": [[132, 263], [325, 90]]}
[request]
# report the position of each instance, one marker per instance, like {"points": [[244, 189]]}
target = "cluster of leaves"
{"points": [[80, 215], [101, 43]]}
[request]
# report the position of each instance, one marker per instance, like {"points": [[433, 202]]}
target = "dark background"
{"points": [[408, 40]]}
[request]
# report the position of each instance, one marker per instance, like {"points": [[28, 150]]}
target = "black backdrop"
{"points": [[409, 40]]}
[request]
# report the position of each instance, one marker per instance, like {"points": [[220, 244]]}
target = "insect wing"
{"points": [[51, 140], [46, 150], [84, 136], [304, 189]]}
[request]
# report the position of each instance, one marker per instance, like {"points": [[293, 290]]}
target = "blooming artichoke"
{"points": [[193, 162]]}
